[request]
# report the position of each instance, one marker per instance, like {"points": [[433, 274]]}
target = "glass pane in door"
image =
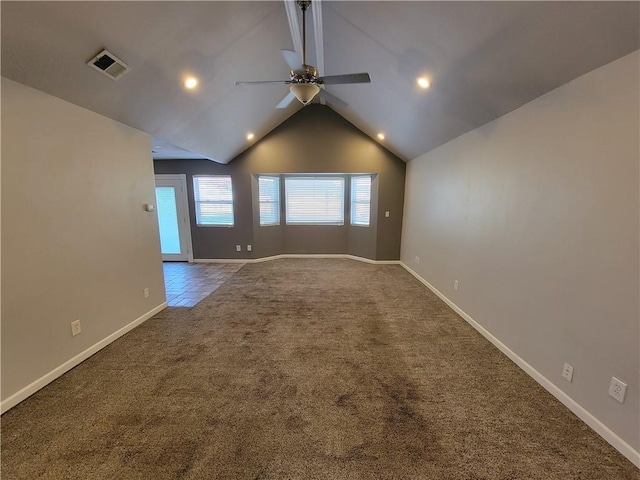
{"points": [[168, 220]]}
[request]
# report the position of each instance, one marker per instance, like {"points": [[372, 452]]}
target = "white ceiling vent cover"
{"points": [[108, 64]]}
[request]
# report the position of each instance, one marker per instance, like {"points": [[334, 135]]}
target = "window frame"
{"points": [[197, 202], [276, 202], [353, 202], [331, 177]]}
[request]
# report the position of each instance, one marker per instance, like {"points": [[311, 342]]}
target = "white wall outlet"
{"points": [[146, 293], [238, 248], [617, 389], [567, 372], [248, 248], [386, 214], [417, 259], [455, 284], [75, 328]]}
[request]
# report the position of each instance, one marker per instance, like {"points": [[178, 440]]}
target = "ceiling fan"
{"points": [[304, 80]]}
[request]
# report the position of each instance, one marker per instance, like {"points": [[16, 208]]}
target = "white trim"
{"points": [[600, 428], [185, 216], [43, 381], [221, 260], [295, 255]]}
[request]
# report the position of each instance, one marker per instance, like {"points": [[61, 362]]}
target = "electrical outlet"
{"points": [[75, 328], [417, 259], [248, 248], [238, 248], [455, 284], [617, 389], [567, 372], [146, 293]]}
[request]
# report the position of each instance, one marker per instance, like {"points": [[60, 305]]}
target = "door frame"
{"points": [[182, 205]]}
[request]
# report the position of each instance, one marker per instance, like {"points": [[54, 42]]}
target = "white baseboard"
{"points": [[601, 429], [296, 255], [33, 387], [221, 260]]}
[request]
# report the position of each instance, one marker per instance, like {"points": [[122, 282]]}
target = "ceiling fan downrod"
{"points": [[304, 81], [304, 5]]}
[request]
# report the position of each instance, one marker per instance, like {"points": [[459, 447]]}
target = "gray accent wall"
{"points": [[314, 140]]}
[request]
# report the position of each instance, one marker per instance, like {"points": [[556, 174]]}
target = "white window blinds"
{"points": [[269, 195], [314, 200], [213, 200], [360, 200]]}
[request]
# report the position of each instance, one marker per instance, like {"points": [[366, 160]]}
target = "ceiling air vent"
{"points": [[108, 64]]}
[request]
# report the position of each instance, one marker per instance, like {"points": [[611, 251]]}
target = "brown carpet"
{"points": [[303, 369]]}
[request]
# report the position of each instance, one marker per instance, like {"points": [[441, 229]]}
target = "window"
{"points": [[360, 200], [269, 194], [314, 200], [214, 200]]}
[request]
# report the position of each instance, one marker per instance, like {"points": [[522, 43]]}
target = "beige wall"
{"points": [[536, 215], [77, 243]]}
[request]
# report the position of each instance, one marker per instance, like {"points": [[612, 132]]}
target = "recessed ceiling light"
{"points": [[250, 136], [423, 82], [191, 83], [381, 136]]}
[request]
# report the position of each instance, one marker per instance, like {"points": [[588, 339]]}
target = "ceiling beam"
{"points": [[294, 25], [316, 7]]}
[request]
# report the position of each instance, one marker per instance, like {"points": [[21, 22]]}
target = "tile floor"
{"points": [[188, 283]]}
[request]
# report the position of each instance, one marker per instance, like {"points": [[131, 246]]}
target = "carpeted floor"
{"points": [[303, 369]]}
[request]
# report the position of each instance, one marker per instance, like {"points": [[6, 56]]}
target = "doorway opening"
{"points": [[173, 218]]}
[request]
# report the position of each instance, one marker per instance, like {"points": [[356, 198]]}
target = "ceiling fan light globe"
{"points": [[304, 91]]}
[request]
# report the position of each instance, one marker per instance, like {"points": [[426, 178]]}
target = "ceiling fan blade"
{"points": [[286, 101], [261, 82], [293, 59], [332, 99], [348, 78]]}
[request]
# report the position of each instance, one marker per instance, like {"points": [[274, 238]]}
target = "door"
{"points": [[173, 218]]}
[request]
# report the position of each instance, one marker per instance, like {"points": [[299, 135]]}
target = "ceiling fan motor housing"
{"points": [[309, 74]]}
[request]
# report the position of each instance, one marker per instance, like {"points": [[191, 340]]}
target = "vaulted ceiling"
{"points": [[483, 59]]}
